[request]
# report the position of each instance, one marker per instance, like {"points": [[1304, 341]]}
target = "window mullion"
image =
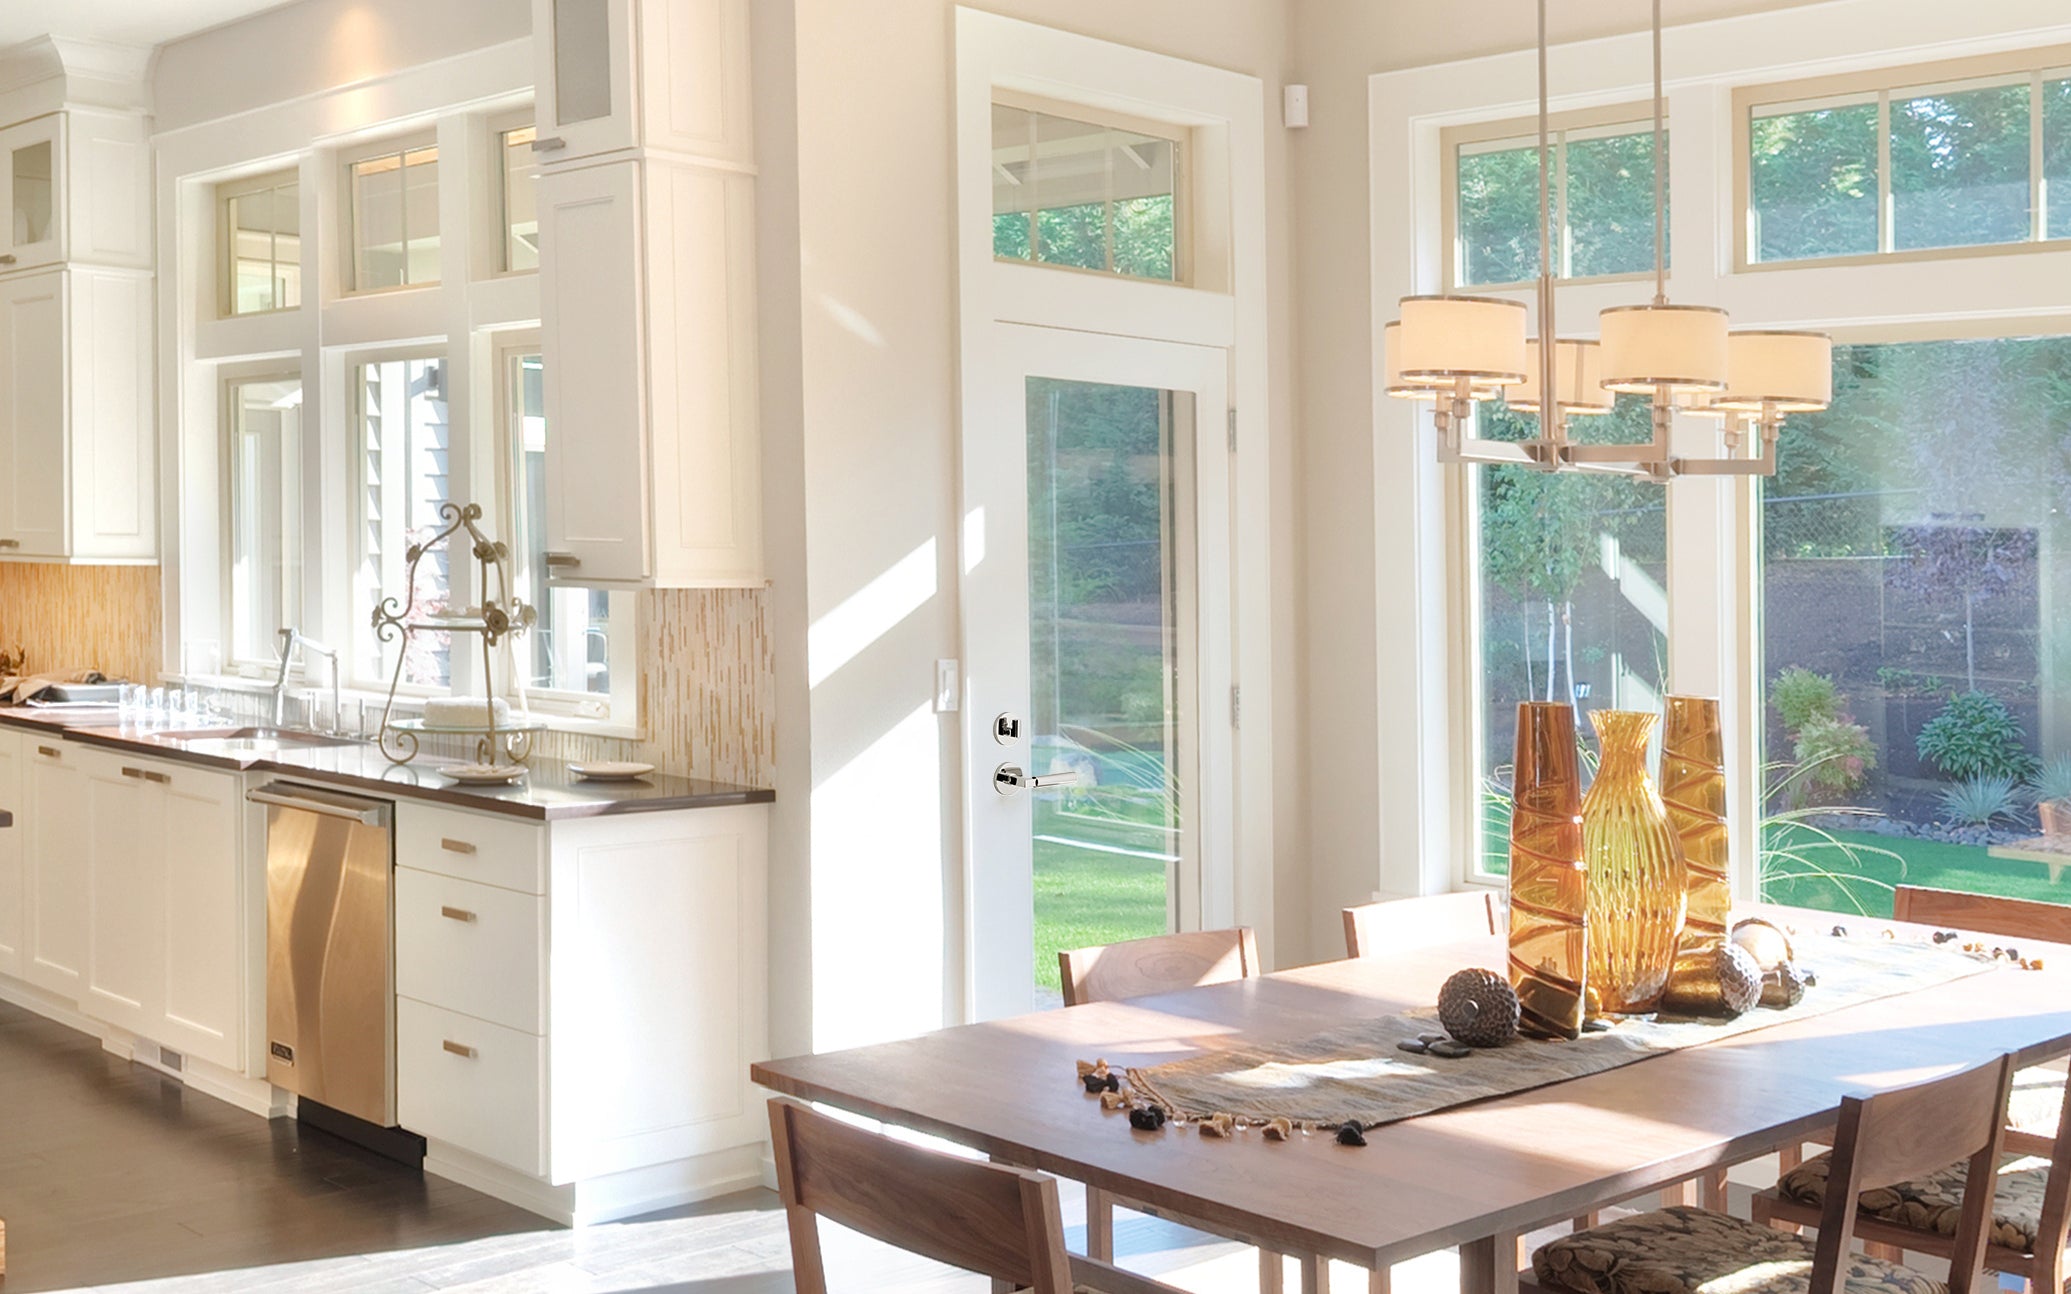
{"points": [[1887, 209], [2038, 189]]}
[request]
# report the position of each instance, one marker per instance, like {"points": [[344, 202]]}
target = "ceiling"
{"points": [[129, 22]]}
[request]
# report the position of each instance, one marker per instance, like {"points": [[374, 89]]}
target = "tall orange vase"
{"points": [[1693, 788], [1635, 885], [1549, 946]]}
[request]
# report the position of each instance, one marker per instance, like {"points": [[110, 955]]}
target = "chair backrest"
{"points": [[1160, 964], [1983, 914], [1907, 1133], [986, 1218], [1419, 923]]}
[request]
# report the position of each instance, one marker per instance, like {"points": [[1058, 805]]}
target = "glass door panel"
{"points": [[1110, 558]]}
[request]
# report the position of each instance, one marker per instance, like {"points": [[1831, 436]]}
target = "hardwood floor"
{"points": [[113, 1177]]}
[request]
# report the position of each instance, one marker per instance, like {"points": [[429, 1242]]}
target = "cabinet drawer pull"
{"points": [[50, 752], [453, 846], [137, 773], [562, 560], [456, 914], [10, 543], [459, 1049], [6, 258], [163, 779], [548, 143]]}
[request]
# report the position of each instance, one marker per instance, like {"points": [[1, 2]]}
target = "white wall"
{"points": [[867, 877]]}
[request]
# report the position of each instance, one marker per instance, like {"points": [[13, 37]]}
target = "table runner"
{"points": [[1356, 1073]]}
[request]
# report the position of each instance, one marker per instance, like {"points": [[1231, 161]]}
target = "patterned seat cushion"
{"points": [[1694, 1251], [2037, 1099], [1933, 1204]]}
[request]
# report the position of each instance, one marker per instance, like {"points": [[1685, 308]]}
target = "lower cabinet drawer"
{"points": [[471, 1084], [475, 949]]}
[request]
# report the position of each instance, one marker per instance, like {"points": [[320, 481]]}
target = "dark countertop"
{"points": [[548, 790]]}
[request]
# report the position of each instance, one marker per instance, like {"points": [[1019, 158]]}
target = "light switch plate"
{"points": [[948, 686]]}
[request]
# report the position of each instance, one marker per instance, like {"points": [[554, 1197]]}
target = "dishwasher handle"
{"points": [[370, 816]]}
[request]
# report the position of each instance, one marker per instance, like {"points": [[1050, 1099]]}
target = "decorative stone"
{"points": [[1479, 1008], [1113, 1101], [1450, 1050], [1349, 1134], [1784, 986], [1718, 981], [1221, 1125], [1598, 1024], [1279, 1130], [1147, 1118], [1416, 1046], [1769, 946]]}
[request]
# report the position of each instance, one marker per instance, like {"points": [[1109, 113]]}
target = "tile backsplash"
{"points": [[82, 617], [707, 677]]}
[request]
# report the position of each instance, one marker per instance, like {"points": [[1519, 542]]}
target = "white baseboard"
{"points": [[608, 1198], [252, 1095]]}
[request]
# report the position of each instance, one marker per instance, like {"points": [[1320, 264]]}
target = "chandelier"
{"points": [[1457, 351]]}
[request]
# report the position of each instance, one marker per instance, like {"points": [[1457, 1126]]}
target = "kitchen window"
{"points": [[577, 655], [261, 243], [1106, 196], [1948, 158], [1600, 197], [403, 449], [519, 171], [265, 461], [393, 214]]}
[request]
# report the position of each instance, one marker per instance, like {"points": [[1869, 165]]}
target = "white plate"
{"points": [[484, 774], [610, 771]]}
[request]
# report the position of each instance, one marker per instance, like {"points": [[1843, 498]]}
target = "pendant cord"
{"points": [[1660, 173], [1551, 426]]}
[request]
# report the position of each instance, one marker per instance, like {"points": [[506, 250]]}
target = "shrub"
{"points": [[1801, 696], [2052, 781], [1836, 754], [1905, 682], [1975, 735], [1976, 801]]}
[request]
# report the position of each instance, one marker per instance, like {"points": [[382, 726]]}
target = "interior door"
{"points": [[1096, 611]]}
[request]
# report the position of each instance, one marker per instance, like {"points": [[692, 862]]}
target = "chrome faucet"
{"points": [[290, 639]]}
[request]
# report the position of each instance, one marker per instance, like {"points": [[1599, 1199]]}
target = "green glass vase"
{"points": [[1635, 872]]}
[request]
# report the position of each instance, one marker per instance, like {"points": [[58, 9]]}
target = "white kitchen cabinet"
{"points": [[657, 75], [75, 187], [77, 460], [647, 296], [165, 916], [12, 882], [52, 849], [614, 1037]]}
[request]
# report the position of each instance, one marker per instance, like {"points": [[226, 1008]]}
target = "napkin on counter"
{"points": [[22, 688]]}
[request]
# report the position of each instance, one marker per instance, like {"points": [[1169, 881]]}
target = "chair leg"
{"points": [[1100, 1225], [1272, 1276], [1315, 1274], [1588, 1221], [1877, 1249], [1679, 1193]]}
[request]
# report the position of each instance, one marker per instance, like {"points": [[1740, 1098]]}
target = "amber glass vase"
{"points": [[1635, 882], [1549, 946], [1693, 788]]}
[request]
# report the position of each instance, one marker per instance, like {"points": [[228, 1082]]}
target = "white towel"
{"points": [[462, 711]]}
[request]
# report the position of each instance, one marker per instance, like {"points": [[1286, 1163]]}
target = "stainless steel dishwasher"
{"points": [[330, 954]]}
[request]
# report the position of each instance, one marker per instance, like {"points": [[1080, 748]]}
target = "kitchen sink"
{"points": [[252, 741]]}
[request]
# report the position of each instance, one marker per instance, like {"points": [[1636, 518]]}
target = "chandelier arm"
{"points": [[1660, 173]]}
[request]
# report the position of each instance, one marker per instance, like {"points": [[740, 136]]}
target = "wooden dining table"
{"points": [[1475, 1176]]}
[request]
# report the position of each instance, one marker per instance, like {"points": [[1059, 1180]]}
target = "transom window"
{"points": [[1600, 200], [261, 244], [1106, 196], [394, 198], [1909, 162]]}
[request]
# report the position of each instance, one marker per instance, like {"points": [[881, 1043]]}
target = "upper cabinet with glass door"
{"points": [[73, 187], [668, 76]]}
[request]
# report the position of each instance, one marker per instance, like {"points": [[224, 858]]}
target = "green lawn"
{"points": [[1859, 877], [1084, 898]]}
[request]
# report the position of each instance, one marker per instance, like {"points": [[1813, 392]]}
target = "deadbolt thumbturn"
{"points": [[1006, 729]]}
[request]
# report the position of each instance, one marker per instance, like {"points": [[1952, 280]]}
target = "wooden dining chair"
{"points": [[1394, 924], [986, 1218], [1139, 968], [1159, 964], [1892, 1136]]}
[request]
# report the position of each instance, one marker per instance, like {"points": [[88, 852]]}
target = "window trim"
{"points": [[344, 159], [1182, 140], [498, 125], [1598, 122], [2038, 66], [224, 193], [228, 378], [621, 703]]}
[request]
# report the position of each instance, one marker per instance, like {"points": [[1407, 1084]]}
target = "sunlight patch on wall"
{"points": [[869, 613]]}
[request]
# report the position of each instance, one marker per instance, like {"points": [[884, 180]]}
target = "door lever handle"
{"points": [[1009, 778]]}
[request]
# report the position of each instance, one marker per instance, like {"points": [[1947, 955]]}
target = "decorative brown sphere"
{"points": [[1479, 1008], [1769, 946], [1740, 979]]}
